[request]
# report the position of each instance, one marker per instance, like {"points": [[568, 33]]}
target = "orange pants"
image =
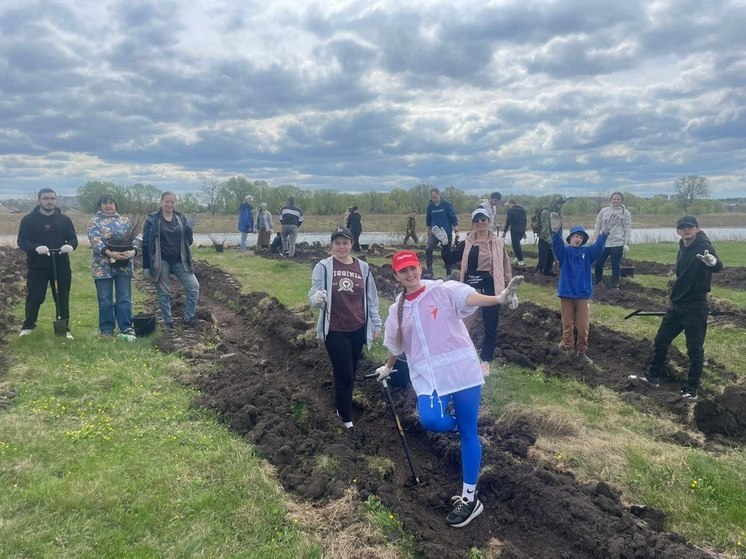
{"points": [[576, 314]]}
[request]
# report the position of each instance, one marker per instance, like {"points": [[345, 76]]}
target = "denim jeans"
{"points": [[109, 313], [163, 290], [616, 264], [242, 247]]}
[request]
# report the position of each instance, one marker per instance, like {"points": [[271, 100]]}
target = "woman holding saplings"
{"points": [[111, 236], [343, 288], [426, 324]]}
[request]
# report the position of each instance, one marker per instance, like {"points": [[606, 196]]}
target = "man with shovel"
{"points": [[48, 237]]}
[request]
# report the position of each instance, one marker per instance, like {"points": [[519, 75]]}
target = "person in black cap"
{"points": [[345, 291], [688, 310]]}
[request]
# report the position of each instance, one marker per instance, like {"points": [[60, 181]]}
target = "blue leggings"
{"points": [[433, 416]]}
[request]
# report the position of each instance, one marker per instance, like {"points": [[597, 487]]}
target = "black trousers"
{"points": [[356, 238], [36, 288], [490, 317], [344, 349], [616, 264], [546, 258], [515, 241], [445, 253], [691, 318]]}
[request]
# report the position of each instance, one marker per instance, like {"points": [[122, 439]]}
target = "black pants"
{"points": [[36, 287], [356, 238], [490, 317], [445, 253], [546, 258], [616, 264], [515, 240], [344, 349], [690, 317]]}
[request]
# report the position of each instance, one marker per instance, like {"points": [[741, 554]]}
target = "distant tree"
{"points": [[600, 199], [208, 194], [373, 201], [142, 198], [420, 197], [90, 192], [457, 197], [691, 188], [327, 202], [189, 203]]}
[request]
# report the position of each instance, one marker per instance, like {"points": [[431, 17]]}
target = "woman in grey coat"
{"points": [[617, 244]]}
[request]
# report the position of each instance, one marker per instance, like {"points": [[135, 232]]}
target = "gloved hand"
{"points": [[612, 221], [129, 253], [513, 303], [383, 372], [319, 298], [507, 294], [440, 234], [555, 222], [707, 259], [41, 249], [625, 250], [66, 249]]}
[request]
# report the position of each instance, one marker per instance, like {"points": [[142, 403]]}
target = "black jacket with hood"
{"points": [[693, 277], [52, 231]]}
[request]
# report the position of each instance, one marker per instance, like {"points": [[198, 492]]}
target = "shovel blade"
{"points": [[60, 328]]}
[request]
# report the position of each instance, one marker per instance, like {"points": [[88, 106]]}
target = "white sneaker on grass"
{"points": [[25, 332]]}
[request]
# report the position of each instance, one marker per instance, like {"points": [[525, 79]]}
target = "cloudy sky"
{"points": [[521, 96]]}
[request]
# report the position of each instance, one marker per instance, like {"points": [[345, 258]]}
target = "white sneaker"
{"points": [[69, 336], [25, 332], [520, 263]]}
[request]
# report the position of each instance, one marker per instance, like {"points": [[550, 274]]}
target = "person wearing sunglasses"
{"points": [[485, 266]]}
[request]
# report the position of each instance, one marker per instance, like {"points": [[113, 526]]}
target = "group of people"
{"points": [[291, 219], [48, 237], [428, 323]]}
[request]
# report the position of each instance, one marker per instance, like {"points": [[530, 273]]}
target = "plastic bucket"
{"points": [[219, 248], [144, 324]]}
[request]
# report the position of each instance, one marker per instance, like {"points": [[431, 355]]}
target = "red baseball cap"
{"points": [[404, 259]]}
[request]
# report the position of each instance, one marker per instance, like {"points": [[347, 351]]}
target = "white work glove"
{"points": [[708, 259], [66, 249], [41, 249], [129, 253], [319, 298], [507, 294], [513, 302], [383, 372], [440, 234], [625, 250], [612, 221], [555, 222]]}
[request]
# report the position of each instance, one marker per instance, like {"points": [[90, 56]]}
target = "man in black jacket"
{"points": [[688, 310], [516, 223], [42, 230]]}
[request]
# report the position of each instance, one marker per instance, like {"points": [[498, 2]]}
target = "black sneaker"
{"points": [[583, 358], [464, 511], [688, 394], [650, 379]]}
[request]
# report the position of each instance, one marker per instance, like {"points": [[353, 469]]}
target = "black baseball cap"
{"points": [[687, 221], [341, 231]]}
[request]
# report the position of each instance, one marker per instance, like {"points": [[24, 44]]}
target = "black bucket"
{"points": [[219, 248], [143, 323]]}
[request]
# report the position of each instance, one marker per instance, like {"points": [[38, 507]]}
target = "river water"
{"points": [[648, 235]]}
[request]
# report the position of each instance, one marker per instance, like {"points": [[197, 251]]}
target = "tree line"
{"points": [[225, 197]]}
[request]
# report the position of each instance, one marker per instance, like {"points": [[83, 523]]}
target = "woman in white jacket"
{"points": [[617, 244], [425, 323]]}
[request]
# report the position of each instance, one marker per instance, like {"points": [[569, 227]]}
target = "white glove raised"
{"points": [[707, 259], [41, 249], [612, 221], [440, 234], [129, 253], [66, 249], [383, 372], [507, 294], [513, 303], [555, 222], [625, 250], [319, 298]]}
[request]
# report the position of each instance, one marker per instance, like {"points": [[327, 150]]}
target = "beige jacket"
{"points": [[502, 272]]}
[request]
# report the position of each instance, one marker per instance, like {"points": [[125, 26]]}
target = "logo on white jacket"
{"points": [[434, 312]]}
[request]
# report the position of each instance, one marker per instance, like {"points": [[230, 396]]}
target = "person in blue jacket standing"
{"points": [[575, 285], [441, 222], [245, 220]]}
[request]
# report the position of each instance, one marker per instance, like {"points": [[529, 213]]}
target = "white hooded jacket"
{"points": [[621, 233]]}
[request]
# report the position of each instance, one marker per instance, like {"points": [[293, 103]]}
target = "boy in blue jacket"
{"points": [[575, 286]]}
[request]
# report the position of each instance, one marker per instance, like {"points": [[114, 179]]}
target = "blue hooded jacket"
{"points": [[575, 279]]}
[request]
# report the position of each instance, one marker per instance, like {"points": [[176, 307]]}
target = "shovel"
{"points": [[60, 325], [392, 407], [640, 312]]}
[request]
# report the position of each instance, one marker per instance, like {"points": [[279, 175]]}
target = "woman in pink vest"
{"points": [[425, 323]]}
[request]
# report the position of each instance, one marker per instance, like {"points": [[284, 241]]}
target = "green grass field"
{"points": [[101, 454]]}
